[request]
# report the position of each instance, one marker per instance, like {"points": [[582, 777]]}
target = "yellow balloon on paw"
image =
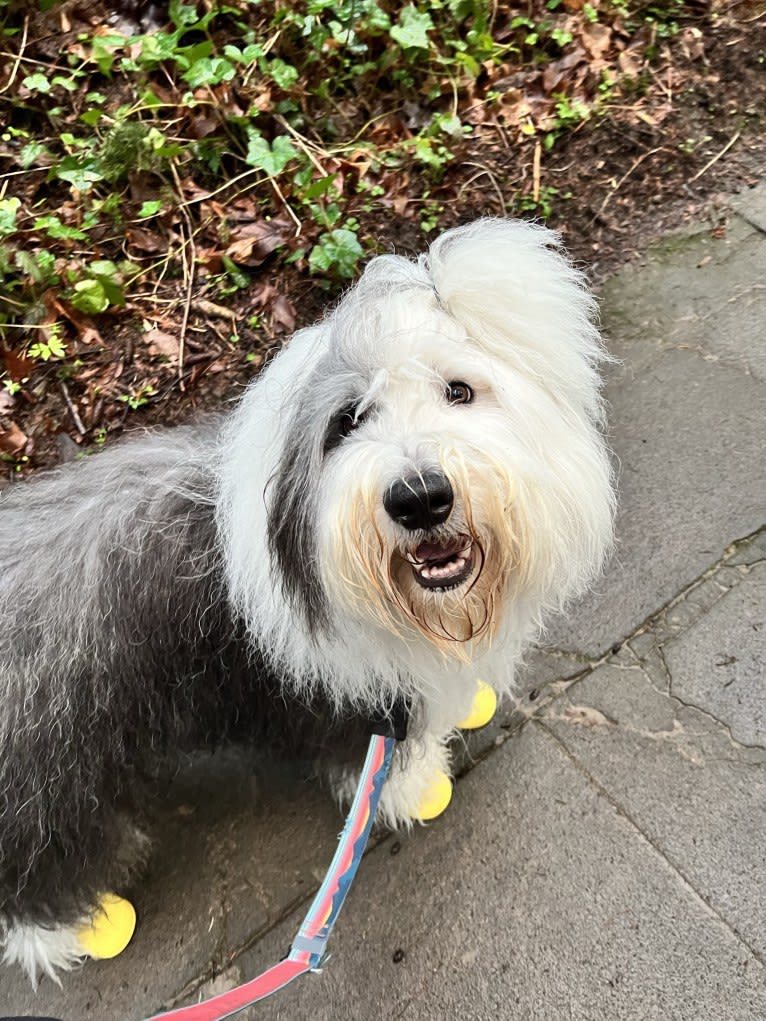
{"points": [[111, 928], [436, 798], [483, 707]]}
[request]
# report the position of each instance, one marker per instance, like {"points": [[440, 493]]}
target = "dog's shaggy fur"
{"points": [[261, 576]]}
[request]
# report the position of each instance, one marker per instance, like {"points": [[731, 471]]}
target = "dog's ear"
{"points": [[508, 283]]}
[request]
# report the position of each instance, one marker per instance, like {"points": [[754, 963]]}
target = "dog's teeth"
{"points": [[435, 571]]}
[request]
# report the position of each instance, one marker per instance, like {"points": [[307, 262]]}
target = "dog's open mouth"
{"points": [[442, 565]]}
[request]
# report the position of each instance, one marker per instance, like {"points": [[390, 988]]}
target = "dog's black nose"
{"points": [[420, 501]]}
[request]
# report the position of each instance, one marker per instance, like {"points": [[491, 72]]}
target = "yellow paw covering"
{"points": [[482, 709], [436, 798], [110, 929]]}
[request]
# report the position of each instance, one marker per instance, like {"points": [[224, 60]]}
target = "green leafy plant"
{"points": [[337, 252], [137, 398]]}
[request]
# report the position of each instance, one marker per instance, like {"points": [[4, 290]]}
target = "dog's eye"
{"points": [[346, 423], [458, 393], [342, 425]]}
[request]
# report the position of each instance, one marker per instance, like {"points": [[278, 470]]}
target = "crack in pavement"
{"points": [[699, 709], [625, 814], [648, 623]]}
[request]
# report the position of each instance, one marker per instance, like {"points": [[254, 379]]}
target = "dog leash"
{"points": [[308, 950]]}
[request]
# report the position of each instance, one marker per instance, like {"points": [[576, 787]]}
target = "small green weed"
{"points": [[137, 398]]}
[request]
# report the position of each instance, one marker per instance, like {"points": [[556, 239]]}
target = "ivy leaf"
{"points": [[271, 158], [54, 228], [209, 71], [8, 210], [338, 251], [90, 297], [150, 208], [74, 172], [411, 30], [283, 74], [37, 83]]}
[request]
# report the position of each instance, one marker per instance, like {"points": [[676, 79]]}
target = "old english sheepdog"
{"points": [[387, 514]]}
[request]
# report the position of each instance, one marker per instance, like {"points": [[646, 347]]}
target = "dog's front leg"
{"points": [[419, 787]]}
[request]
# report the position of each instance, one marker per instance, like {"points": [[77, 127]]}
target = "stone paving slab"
{"points": [[533, 898], [719, 663], [687, 424]]}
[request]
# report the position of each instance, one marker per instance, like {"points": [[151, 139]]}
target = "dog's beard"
{"points": [[447, 584]]}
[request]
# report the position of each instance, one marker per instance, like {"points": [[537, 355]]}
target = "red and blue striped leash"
{"points": [[308, 949]]}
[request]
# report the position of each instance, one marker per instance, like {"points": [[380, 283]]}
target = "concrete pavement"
{"points": [[604, 856]]}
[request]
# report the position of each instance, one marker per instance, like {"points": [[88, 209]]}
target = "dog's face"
{"points": [[440, 457], [415, 524]]}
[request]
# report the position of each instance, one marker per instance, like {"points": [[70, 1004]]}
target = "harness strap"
{"points": [[308, 948]]}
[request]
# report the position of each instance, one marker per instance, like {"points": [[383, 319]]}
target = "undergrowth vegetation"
{"points": [[152, 149]]}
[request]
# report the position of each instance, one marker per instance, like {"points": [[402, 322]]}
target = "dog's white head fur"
{"points": [[477, 363]]}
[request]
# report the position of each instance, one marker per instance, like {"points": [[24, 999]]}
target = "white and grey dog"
{"points": [[387, 514]]}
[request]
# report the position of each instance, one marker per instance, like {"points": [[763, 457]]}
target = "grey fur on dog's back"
{"points": [[99, 593], [117, 644]]}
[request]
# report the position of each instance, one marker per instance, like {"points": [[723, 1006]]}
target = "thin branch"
{"points": [[302, 144], [189, 260], [72, 409], [715, 159], [291, 213], [536, 171], [22, 47], [623, 179], [484, 171]]}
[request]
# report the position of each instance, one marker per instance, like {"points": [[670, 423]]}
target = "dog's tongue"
{"points": [[428, 551]]}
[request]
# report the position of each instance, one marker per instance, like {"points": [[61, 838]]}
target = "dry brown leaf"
{"points": [[283, 314], [86, 330], [159, 343], [17, 366], [629, 64], [12, 440], [203, 125], [253, 243], [561, 69], [597, 39], [146, 240], [210, 259], [262, 294]]}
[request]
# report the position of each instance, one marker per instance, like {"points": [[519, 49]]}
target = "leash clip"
{"points": [[393, 723]]}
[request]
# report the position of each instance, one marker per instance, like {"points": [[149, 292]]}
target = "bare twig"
{"points": [[715, 159], [72, 409], [19, 55], [223, 187], [189, 258], [290, 212], [302, 144], [536, 172], [623, 179], [483, 171]]}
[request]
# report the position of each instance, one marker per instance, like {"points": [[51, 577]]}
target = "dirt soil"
{"points": [[613, 184]]}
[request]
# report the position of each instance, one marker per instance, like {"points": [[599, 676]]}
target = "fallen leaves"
{"points": [[12, 440]]}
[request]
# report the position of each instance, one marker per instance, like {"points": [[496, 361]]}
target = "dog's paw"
{"points": [[483, 707], [110, 929], [436, 798]]}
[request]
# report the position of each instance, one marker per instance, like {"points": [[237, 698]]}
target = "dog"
{"points": [[387, 514]]}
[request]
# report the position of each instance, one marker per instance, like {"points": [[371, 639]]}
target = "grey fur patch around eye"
{"points": [[292, 528], [330, 397]]}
